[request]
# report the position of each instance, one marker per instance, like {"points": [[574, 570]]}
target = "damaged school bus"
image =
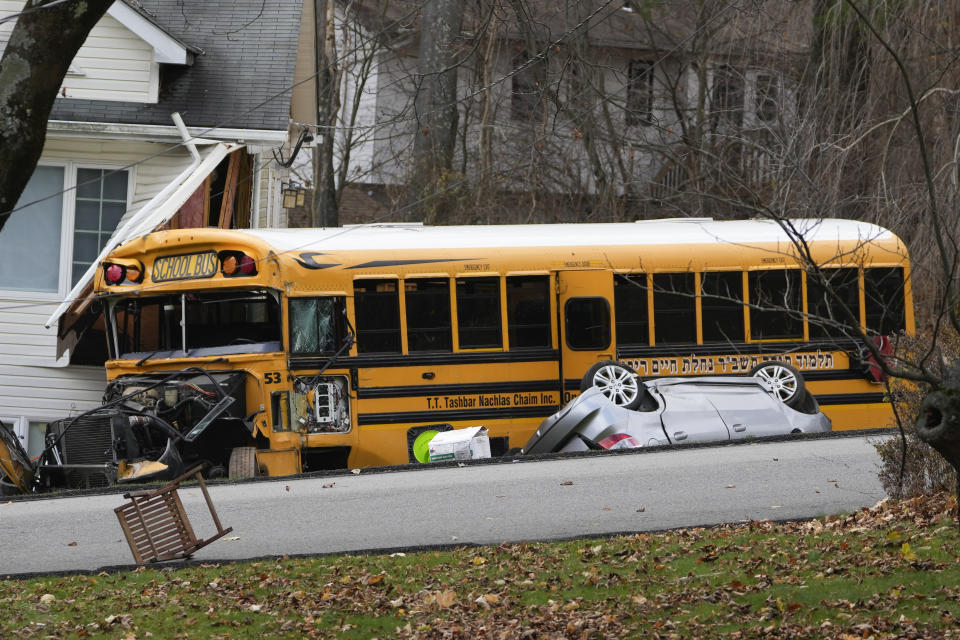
{"points": [[281, 351]]}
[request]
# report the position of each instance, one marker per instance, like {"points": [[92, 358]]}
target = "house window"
{"points": [[526, 87], [766, 98], [30, 239], [98, 202], [639, 93], [727, 97], [101, 202]]}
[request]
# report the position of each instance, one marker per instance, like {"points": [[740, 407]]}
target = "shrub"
{"points": [[922, 471]]}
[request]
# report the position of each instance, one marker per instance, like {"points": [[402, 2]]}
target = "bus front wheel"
{"points": [[617, 381], [243, 462], [785, 380]]}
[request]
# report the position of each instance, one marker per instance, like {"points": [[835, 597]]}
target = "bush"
{"points": [[924, 471]]}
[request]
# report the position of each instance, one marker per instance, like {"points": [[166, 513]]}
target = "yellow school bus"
{"points": [[288, 350]]}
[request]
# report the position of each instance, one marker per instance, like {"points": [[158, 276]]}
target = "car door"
{"points": [[747, 410], [688, 416]]}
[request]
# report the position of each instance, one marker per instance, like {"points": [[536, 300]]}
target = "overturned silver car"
{"points": [[675, 411]]}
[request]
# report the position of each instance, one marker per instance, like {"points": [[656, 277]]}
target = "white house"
{"points": [[114, 165]]}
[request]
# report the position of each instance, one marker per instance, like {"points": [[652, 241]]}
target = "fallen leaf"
{"points": [[641, 509], [327, 486], [72, 544], [47, 599], [731, 486], [566, 484], [354, 471], [831, 479], [446, 598], [286, 488]]}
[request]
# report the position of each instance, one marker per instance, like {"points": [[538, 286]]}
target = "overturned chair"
{"points": [[156, 525]]}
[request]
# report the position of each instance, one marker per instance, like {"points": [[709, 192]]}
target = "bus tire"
{"points": [[786, 381], [243, 463], [618, 382]]}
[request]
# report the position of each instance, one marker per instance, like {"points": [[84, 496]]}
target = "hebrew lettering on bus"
{"points": [[733, 364]]}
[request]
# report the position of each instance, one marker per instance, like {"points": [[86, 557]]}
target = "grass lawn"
{"points": [[888, 572]]}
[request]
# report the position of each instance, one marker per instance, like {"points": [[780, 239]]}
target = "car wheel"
{"points": [[785, 380], [617, 381]]}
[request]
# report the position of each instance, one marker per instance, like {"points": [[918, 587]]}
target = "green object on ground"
{"points": [[421, 446]]}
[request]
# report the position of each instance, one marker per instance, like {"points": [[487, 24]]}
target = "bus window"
{"points": [[776, 304], [316, 325], [674, 308], [587, 323], [722, 306], [528, 311], [210, 321], [377, 307], [630, 307], [478, 313], [428, 314], [827, 317], [883, 295]]}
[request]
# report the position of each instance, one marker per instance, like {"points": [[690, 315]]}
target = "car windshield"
{"points": [[196, 324]]}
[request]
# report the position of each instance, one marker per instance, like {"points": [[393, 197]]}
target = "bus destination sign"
{"points": [[187, 266]]}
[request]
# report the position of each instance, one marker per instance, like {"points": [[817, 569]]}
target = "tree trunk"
{"points": [[435, 102], [325, 211], [41, 47]]}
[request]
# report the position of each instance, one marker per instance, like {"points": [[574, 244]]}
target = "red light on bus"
{"points": [[237, 263], [115, 273], [247, 265]]}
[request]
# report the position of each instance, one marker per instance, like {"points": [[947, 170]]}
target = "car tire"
{"points": [[808, 404], [243, 463], [618, 382], [787, 382]]}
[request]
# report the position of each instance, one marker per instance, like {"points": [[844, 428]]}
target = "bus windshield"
{"points": [[198, 323]]}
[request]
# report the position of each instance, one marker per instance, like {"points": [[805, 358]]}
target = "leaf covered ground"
{"points": [[892, 571]]}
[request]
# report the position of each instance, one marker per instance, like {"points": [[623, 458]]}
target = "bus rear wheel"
{"points": [[243, 463], [617, 381], [785, 380]]}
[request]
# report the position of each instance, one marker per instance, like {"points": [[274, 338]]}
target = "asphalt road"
{"points": [[473, 504]]}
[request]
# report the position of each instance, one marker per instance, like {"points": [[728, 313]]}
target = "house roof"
{"points": [[245, 51]]}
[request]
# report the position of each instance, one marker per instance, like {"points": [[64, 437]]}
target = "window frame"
{"points": [[455, 312], [68, 224], [638, 110]]}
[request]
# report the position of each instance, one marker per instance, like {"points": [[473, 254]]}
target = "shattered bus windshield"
{"points": [[196, 324]]}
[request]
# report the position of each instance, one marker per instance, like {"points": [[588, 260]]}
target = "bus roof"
{"points": [[645, 232]]}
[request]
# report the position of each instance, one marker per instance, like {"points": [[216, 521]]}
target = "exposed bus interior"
{"points": [[195, 324], [151, 426]]}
